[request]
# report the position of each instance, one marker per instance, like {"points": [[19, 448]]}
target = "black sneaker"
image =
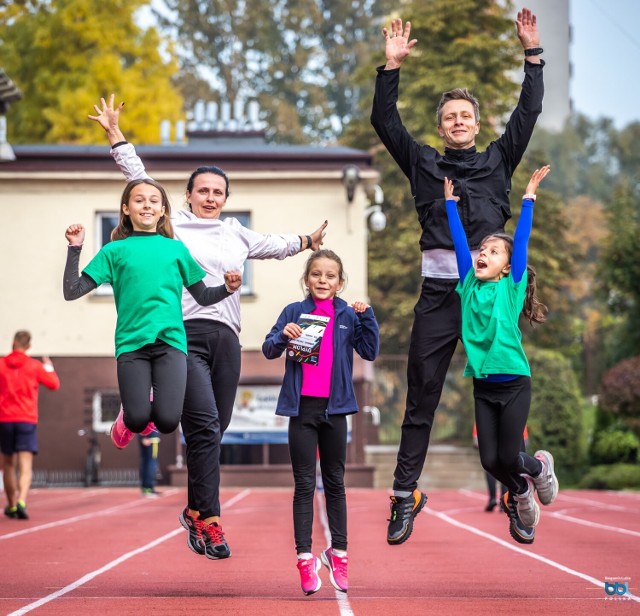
{"points": [[518, 531], [194, 528], [21, 511], [216, 546], [403, 511], [11, 512]]}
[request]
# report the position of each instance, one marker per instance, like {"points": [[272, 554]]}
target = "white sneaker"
{"points": [[528, 510], [546, 482]]}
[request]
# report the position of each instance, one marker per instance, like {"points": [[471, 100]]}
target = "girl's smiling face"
{"points": [[493, 261], [144, 208], [323, 279]]}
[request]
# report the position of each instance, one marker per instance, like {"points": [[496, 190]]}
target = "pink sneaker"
{"points": [[151, 427], [309, 580], [337, 566], [120, 434]]}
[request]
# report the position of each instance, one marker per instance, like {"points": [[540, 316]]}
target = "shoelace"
{"points": [[339, 565], [403, 507], [214, 533]]}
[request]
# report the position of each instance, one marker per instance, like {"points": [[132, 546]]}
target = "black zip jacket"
{"points": [[482, 179]]}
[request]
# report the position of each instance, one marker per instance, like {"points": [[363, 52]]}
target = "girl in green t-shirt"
{"points": [[494, 289], [148, 270]]}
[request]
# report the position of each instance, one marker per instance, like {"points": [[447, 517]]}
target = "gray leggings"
{"points": [[156, 365]]}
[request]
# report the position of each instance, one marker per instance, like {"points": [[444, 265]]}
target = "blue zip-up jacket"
{"points": [[351, 331]]}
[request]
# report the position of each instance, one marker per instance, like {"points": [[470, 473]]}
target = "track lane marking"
{"points": [[552, 563], [114, 563], [344, 606]]}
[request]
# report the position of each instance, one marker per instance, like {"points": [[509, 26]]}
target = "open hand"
{"points": [[537, 177], [527, 29], [108, 116], [398, 44]]}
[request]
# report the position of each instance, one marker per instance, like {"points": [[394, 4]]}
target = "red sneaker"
{"points": [[151, 427], [120, 434]]}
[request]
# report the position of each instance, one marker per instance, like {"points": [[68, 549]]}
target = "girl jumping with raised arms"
{"points": [[494, 291], [147, 269]]}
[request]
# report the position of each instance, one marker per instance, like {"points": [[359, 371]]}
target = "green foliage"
{"points": [[64, 55], [620, 395], [295, 58], [611, 477], [556, 420], [615, 446]]}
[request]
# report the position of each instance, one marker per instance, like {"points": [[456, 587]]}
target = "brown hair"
{"points": [[323, 253], [125, 227], [534, 310], [455, 95], [21, 340]]}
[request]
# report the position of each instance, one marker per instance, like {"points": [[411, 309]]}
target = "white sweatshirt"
{"points": [[217, 245]]}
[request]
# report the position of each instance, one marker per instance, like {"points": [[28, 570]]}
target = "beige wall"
{"points": [[35, 209]]}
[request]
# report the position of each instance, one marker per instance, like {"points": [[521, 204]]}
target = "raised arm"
{"points": [[525, 222], [108, 117], [74, 285], [463, 254], [527, 29], [122, 151]]}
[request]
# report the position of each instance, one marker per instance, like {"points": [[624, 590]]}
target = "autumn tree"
{"points": [[295, 58], [65, 54]]}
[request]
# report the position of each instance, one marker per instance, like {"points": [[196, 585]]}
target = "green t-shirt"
{"points": [[490, 332], [147, 273]]}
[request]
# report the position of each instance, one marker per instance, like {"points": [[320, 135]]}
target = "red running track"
{"points": [[110, 551]]}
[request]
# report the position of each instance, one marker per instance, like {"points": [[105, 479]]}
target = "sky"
{"points": [[605, 54]]}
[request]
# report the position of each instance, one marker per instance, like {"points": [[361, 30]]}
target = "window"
{"points": [[244, 218], [106, 222], [105, 408]]}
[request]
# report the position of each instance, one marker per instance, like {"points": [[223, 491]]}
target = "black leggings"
{"points": [[434, 337], [502, 410], [156, 365], [213, 372], [314, 430]]}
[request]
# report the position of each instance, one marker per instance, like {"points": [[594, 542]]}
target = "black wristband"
{"points": [[117, 145], [536, 51], [309, 242]]}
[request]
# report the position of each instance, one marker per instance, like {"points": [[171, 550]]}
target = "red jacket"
{"points": [[20, 376]]}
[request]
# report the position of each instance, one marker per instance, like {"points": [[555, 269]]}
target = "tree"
{"points": [[295, 58], [619, 268], [65, 54], [620, 393]]}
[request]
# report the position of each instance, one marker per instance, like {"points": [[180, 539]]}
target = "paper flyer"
{"points": [[306, 348]]}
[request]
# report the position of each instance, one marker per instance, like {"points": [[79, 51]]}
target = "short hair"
{"points": [[22, 340], [455, 95]]}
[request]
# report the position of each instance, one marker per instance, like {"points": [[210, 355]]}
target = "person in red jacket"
{"points": [[20, 376]]}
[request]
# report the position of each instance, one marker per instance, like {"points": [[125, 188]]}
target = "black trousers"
{"points": [[156, 365], [311, 431], [434, 336], [502, 410], [213, 372]]}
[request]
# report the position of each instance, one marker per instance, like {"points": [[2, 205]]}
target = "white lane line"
{"points": [[344, 607], [598, 583], [594, 503], [569, 518], [114, 563]]}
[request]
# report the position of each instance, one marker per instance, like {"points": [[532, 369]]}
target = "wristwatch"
{"points": [[535, 51]]}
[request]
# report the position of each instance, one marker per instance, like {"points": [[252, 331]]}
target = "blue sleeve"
{"points": [[521, 241], [366, 334], [463, 255]]}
